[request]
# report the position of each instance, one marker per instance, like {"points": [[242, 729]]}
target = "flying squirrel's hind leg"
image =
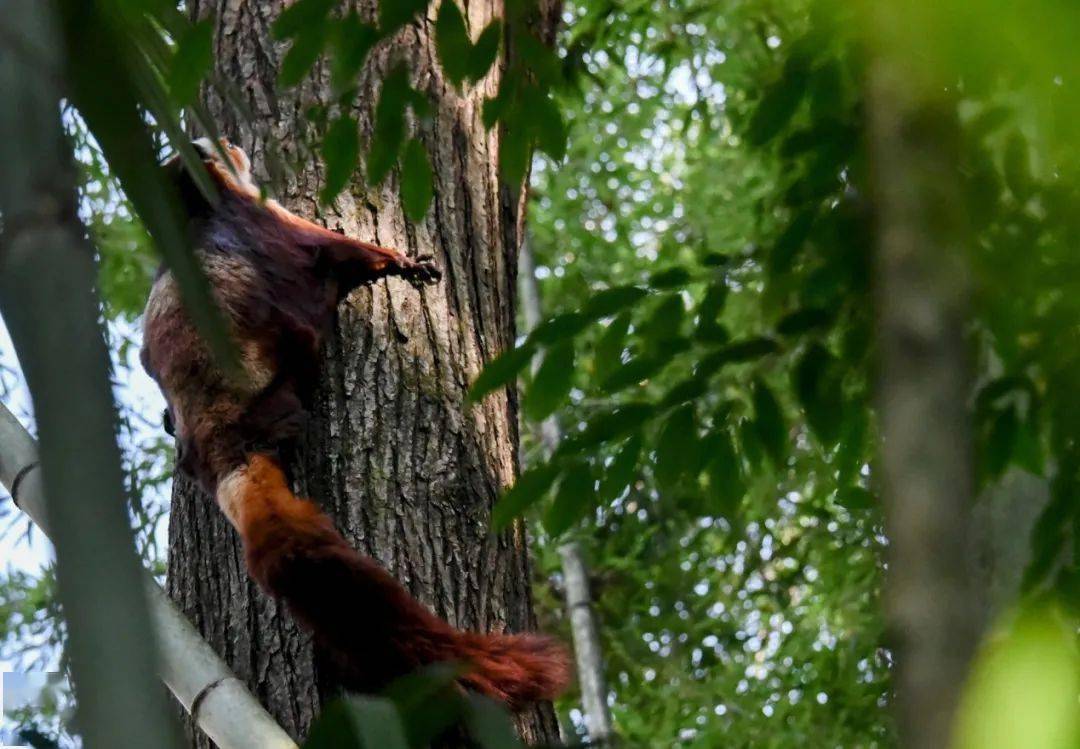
{"points": [[276, 417]]}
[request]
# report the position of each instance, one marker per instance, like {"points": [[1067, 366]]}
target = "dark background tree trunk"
{"points": [[407, 470], [933, 610]]}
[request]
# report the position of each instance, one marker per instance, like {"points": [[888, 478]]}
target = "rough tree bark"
{"points": [[407, 470]]}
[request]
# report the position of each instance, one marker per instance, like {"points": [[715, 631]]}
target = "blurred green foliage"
{"points": [[413, 712], [726, 417], [1024, 687]]}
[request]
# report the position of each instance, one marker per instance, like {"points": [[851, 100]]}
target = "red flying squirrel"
{"points": [[278, 279]]}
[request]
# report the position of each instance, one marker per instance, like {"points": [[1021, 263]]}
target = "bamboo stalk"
{"points": [[47, 297], [583, 628], [224, 709]]}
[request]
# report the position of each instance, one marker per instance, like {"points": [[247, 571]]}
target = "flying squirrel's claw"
{"points": [[422, 271]]}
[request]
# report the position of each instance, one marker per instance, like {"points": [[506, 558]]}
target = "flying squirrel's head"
{"points": [[227, 164], [236, 172]]}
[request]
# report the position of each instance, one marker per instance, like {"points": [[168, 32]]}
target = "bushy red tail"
{"points": [[516, 669], [376, 630]]}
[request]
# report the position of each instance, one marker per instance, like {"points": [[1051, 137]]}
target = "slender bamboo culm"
{"points": [[220, 703]]}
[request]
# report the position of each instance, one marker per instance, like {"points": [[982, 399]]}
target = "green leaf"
{"points": [[494, 107], [607, 426], [424, 690], [421, 107], [305, 50], [988, 121], [670, 278], [389, 132], [575, 495], [709, 312], [688, 389], [514, 147], [622, 470], [417, 189], [460, 59], [341, 151], [300, 16], [1028, 452], [1000, 442], [849, 455], [113, 116], [804, 320], [540, 58], [724, 471], [1017, 166], [393, 14], [193, 59], [429, 701], [790, 242], [817, 385], [352, 41], [1021, 690], [634, 371], [501, 370], [998, 388], [769, 423], [776, 108], [335, 728], [611, 301], [158, 102], [529, 489], [1050, 534], [552, 382], [855, 498], [738, 352], [750, 349], [677, 449], [452, 42], [361, 722], [490, 724], [666, 319], [752, 448], [559, 328], [547, 124], [607, 356], [485, 51], [417, 690]]}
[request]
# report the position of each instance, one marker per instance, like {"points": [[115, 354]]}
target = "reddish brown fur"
{"points": [[294, 552], [278, 278]]}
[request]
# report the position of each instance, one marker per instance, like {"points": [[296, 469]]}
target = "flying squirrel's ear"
{"points": [[205, 148], [191, 196], [173, 165]]}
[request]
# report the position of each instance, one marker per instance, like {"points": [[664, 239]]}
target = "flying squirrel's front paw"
{"points": [[422, 271]]}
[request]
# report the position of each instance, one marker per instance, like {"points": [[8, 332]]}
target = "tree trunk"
{"points": [[933, 613], [407, 470], [588, 653]]}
